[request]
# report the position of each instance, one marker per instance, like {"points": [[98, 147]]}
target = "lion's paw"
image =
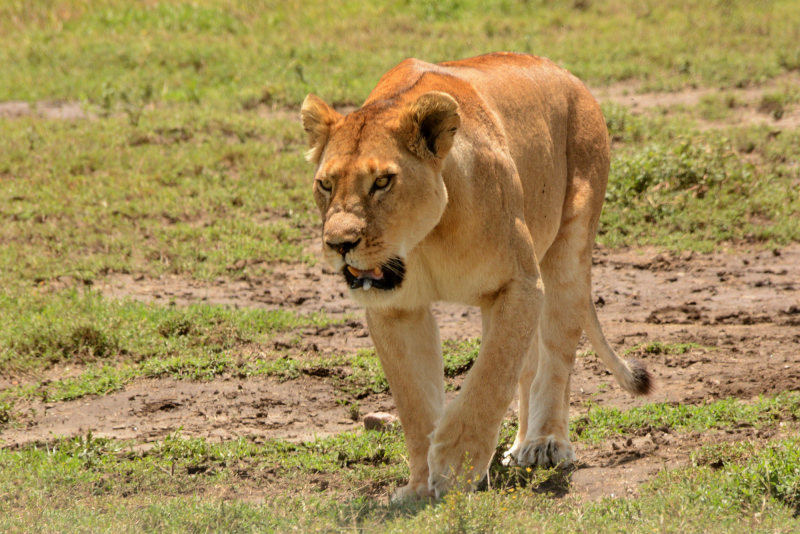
{"points": [[441, 483], [412, 492], [546, 451], [458, 463]]}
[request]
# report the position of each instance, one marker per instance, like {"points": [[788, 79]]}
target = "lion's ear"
{"points": [[318, 118], [430, 124]]}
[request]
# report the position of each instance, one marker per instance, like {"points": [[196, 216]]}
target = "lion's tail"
{"points": [[631, 374]]}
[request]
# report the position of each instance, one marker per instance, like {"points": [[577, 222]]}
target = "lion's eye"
{"points": [[326, 185], [382, 182]]}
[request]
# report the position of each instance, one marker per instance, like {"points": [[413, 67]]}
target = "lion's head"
{"points": [[378, 184]]}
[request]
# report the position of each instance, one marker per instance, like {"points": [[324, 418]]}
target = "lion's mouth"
{"points": [[386, 277]]}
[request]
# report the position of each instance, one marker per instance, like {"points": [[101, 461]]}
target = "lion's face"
{"points": [[378, 186]]}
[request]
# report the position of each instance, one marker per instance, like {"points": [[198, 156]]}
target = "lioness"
{"points": [[477, 181]]}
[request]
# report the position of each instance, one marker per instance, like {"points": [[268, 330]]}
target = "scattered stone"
{"points": [[324, 372], [380, 421], [685, 314], [793, 309], [237, 265]]}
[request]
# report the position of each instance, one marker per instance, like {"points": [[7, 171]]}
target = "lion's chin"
{"points": [[387, 277]]}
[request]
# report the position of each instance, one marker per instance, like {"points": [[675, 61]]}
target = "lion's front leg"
{"points": [[408, 346], [465, 439]]}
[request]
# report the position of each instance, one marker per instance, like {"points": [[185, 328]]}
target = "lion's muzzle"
{"points": [[388, 276]]}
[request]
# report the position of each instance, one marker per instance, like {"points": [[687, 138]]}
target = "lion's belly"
{"points": [[543, 173]]}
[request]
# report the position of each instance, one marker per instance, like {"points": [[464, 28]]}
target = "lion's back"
{"points": [[524, 105]]}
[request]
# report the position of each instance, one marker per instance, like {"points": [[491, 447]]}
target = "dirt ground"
{"points": [[741, 308], [745, 105]]}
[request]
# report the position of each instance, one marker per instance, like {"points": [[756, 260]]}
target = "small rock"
{"points": [[237, 265], [379, 421]]}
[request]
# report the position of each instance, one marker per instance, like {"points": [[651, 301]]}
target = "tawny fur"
{"points": [[497, 168]]}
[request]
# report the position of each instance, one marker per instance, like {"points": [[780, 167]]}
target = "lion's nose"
{"points": [[342, 247]]}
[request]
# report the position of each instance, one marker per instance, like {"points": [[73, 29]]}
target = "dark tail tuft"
{"points": [[642, 379]]}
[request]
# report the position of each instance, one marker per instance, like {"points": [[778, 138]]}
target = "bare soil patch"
{"points": [[746, 111], [229, 408], [741, 308], [46, 110]]}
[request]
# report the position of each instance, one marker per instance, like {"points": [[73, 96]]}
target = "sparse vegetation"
{"points": [[273, 54], [696, 192], [160, 487], [658, 347], [6, 414], [119, 340], [718, 107], [600, 423]]}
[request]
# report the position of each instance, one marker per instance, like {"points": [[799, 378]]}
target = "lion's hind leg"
{"points": [[525, 381], [567, 279]]}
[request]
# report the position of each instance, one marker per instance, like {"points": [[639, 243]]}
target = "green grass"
{"points": [[223, 196], [659, 347], [98, 467], [232, 198], [198, 343], [718, 107], [160, 184], [6, 413], [604, 422], [88, 483], [237, 52], [39, 330], [698, 191]]}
